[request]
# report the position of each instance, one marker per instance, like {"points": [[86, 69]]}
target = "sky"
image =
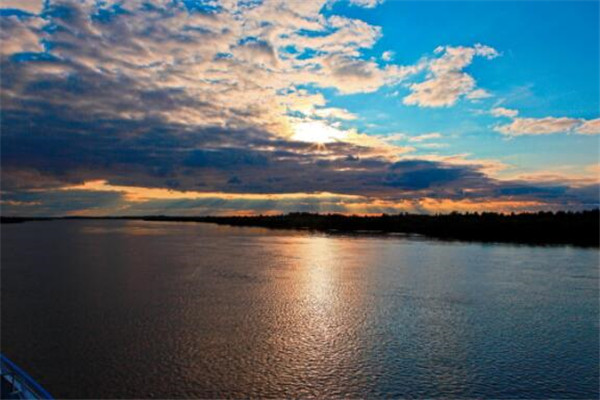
{"points": [[233, 107]]}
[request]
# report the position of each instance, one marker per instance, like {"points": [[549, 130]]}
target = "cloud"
{"points": [[549, 125], [590, 127], [572, 176], [446, 82], [387, 55], [171, 156], [416, 175], [351, 75], [301, 101], [335, 113], [233, 66], [45, 155], [16, 203], [538, 126], [433, 145], [504, 112], [260, 52], [366, 3], [30, 6], [426, 136], [101, 198], [20, 35], [395, 137], [543, 126], [478, 94], [440, 91]]}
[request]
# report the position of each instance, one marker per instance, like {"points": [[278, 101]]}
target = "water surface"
{"points": [[113, 309]]}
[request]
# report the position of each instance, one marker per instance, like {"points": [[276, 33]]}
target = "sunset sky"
{"points": [[241, 107]]}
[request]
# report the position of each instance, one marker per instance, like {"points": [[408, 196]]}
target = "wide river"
{"points": [[113, 309]]}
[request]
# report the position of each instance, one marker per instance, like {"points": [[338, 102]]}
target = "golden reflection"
{"points": [[320, 270], [324, 314]]}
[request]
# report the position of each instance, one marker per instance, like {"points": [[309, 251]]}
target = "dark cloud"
{"points": [[154, 153], [226, 159], [533, 190], [427, 177], [234, 180], [50, 203]]}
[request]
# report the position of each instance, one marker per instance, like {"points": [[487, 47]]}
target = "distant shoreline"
{"points": [[543, 228]]}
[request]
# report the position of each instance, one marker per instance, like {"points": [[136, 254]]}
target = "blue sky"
{"points": [[227, 107], [549, 66]]}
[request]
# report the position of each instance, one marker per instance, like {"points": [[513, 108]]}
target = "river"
{"points": [[133, 309]]}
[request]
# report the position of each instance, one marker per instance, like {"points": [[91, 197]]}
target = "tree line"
{"points": [[580, 228]]}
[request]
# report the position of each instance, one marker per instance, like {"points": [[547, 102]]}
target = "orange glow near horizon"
{"points": [[326, 202], [142, 194]]}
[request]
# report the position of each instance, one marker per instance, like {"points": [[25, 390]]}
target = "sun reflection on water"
{"points": [[317, 336], [319, 270]]}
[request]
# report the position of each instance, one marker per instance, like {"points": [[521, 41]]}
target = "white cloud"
{"points": [[346, 36], [388, 55], [590, 127], [504, 112], [335, 113], [366, 3], [446, 82], [400, 136], [433, 145], [543, 126], [395, 137], [302, 101], [426, 136], [456, 58], [478, 94], [441, 91], [539, 126]]}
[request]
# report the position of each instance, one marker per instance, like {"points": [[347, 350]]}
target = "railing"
{"points": [[18, 384]]}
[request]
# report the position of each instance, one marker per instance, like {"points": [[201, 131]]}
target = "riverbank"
{"points": [[574, 228]]}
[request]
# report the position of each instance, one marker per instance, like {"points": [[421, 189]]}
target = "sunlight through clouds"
{"points": [[317, 132]]}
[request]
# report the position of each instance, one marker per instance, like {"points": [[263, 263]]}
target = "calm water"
{"points": [[171, 310]]}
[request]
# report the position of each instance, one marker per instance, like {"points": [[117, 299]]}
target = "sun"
{"points": [[317, 132]]}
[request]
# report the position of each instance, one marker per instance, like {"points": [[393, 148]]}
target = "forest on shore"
{"points": [[580, 228]]}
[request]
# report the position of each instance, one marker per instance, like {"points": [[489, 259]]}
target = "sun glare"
{"points": [[317, 132]]}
